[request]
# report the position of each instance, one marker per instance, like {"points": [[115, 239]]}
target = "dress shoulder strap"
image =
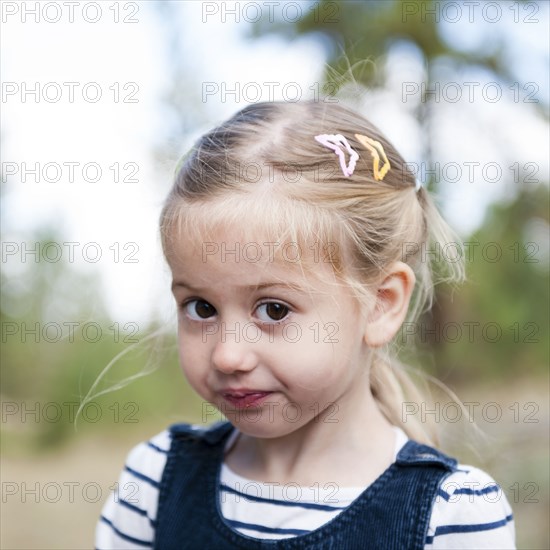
{"points": [[414, 453], [210, 434]]}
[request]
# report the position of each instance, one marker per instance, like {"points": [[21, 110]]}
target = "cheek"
{"points": [[189, 357], [313, 367], [193, 368], [320, 361], [183, 348]]}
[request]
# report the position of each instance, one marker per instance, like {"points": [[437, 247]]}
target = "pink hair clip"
{"points": [[336, 142]]}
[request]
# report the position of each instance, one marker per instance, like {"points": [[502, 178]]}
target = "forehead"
{"points": [[253, 237], [235, 257]]}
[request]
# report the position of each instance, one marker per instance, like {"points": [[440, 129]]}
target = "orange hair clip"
{"points": [[377, 152]]}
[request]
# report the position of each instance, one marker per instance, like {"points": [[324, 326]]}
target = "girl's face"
{"points": [[270, 347]]}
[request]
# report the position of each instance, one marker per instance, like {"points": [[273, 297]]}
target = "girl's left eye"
{"points": [[275, 311]]}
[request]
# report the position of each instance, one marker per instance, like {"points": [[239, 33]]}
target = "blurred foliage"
{"points": [[357, 31], [56, 340], [496, 325]]}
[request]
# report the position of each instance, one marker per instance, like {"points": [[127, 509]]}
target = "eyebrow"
{"points": [[261, 286]]}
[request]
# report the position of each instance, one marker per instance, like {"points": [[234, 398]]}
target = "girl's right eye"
{"points": [[198, 310]]}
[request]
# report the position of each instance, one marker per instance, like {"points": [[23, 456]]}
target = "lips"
{"points": [[245, 399]]}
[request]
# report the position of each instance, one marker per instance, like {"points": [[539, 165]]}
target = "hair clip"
{"points": [[377, 151], [336, 142]]}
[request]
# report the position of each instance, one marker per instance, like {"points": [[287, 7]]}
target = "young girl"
{"points": [[294, 233]]}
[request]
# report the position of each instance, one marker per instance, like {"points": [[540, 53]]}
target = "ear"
{"points": [[390, 306]]}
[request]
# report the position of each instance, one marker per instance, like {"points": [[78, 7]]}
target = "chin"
{"points": [[262, 428]]}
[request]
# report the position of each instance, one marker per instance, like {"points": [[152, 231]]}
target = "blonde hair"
{"points": [[263, 172]]}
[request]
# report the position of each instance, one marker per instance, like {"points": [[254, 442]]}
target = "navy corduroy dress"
{"points": [[393, 513]]}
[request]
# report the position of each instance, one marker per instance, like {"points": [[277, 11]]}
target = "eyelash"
{"points": [[184, 304]]}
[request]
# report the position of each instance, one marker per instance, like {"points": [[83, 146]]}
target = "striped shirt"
{"points": [[470, 510]]}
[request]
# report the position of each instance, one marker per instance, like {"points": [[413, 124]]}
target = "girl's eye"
{"points": [[275, 311], [199, 310], [272, 312]]}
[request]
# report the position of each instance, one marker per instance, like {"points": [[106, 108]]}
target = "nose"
{"points": [[233, 354]]}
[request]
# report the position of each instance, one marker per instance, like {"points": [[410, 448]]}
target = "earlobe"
{"points": [[391, 305]]}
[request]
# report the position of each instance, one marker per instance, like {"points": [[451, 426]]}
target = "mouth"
{"points": [[245, 399]]}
